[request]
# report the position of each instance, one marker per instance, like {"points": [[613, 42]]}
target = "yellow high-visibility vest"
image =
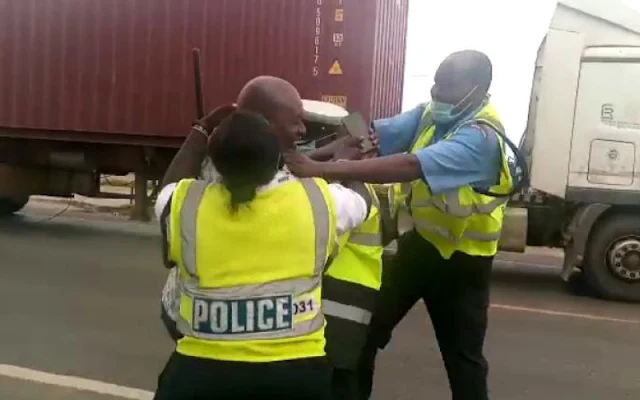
{"points": [[462, 220], [251, 280], [350, 289]]}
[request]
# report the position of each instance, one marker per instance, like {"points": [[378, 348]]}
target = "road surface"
{"points": [[80, 305]]}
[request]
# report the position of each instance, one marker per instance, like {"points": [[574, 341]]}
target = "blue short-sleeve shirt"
{"points": [[470, 157]]}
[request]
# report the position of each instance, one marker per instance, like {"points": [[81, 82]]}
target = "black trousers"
{"points": [[345, 385], [456, 294], [190, 378]]}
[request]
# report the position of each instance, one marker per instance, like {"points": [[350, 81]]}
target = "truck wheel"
{"points": [[11, 206], [612, 260]]}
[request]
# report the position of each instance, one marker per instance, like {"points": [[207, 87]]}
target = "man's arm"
{"points": [[396, 134], [389, 169], [324, 153], [188, 161], [446, 165], [351, 208]]}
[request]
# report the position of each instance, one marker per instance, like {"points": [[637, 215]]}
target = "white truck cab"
{"points": [[582, 145]]}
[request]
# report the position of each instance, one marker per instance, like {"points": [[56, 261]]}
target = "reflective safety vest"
{"points": [[461, 220], [251, 280], [350, 289]]}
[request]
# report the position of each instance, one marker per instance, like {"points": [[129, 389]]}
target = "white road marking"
{"points": [[528, 264], [74, 382], [564, 314]]}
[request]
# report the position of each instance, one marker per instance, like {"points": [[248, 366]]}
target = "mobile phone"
{"points": [[355, 126]]}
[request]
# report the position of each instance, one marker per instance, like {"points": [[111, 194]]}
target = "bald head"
{"points": [[471, 64], [279, 102], [463, 79]]}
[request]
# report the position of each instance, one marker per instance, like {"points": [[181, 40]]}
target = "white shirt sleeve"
{"points": [[163, 199], [351, 208]]}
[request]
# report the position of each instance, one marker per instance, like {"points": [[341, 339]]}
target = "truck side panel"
{"points": [[554, 116]]}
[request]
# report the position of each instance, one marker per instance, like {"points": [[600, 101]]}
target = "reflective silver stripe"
{"points": [[294, 287], [374, 198], [444, 232], [405, 188], [321, 220], [365, 239], [343, 311], [188, 224], [336, 250], [451, 205]]}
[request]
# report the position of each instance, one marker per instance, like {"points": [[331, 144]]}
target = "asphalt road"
{"points": [[79, 296]]}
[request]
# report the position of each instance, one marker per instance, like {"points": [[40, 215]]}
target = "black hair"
{"points": [[246, 153]]}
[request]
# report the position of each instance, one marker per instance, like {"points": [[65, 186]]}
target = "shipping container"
{"points": [[119, 71]]}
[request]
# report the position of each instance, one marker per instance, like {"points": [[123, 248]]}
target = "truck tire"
{"points": [[612, 259], [9, 206]]}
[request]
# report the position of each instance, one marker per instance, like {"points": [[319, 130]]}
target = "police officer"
{"points": [[451, 155], [279, 102], [250, 312], [352, 282], [350, 293]]}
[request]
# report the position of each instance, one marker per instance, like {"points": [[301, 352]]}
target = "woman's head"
{"points": [[246, 153]]}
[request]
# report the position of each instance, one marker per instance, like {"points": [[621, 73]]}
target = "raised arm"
{"points": [[188, 161], [396, 134], [454, 162]]}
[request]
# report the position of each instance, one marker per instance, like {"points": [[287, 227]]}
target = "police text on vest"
{"points": [[252, 315]]}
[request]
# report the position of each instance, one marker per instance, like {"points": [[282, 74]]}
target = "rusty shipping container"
{"points": [[120, 70]]}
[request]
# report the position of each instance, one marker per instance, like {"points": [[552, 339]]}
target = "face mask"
{"points": [[443, 112]]}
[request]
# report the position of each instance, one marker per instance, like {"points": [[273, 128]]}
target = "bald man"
{"points": [[274, 98], [279, 102], [450, 152]]}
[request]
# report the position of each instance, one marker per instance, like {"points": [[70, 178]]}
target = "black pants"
{"points": [[456, 294], [345, 384], [190, 378]]}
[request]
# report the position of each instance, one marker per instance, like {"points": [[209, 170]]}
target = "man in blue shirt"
{"points": [[455, 289]]}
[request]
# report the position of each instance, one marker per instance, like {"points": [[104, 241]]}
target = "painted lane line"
{"points": [[527, 264], [544, 311], [74, 382]]}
